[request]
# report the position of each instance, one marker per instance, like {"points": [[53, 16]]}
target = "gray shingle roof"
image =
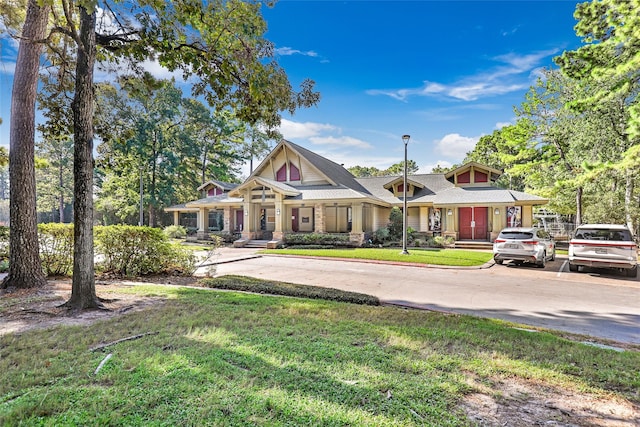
{"points": [[223, 198], [483, 195], [336, 172]]}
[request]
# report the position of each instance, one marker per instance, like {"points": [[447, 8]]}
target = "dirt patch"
{"points": [[514, 402], [25, 309], [509, 402]]}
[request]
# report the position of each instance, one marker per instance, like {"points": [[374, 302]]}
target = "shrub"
{"points": [[317, 239], [395, 223], [440, 241], [56, 248], [224, 237], [248, 284], [134, 251], [381, 235], [4, 242], [175, 232]]}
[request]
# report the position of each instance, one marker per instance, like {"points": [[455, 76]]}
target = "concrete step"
{"points": [[473, 244], [257, 244]]}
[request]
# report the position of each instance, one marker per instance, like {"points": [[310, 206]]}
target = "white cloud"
{"points": [[342, 141], [512, 75], [294, 130], [455, 145], [287, 51]]}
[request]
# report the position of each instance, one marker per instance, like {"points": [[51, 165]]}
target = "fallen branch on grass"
{"points": [[133, 337], [107, 357]]}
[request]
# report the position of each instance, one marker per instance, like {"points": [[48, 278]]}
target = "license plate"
{"points": [[601, 250], [512, 246]]}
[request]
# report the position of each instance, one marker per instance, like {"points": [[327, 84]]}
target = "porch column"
{"points": [[226, 219], [176, 217], [281, 216], [203, 223], [356, 235], [319, 218], [424, 219], [248, 231]]}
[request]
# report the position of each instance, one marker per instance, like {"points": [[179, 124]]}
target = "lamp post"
{"points": [[405, 139]]}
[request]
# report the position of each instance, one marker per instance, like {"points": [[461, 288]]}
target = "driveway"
{"points": [[600, 304]]}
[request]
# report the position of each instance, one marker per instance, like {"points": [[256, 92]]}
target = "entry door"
{"points": [[239, 220], [294, 219], [467, 217], [464, 222]]}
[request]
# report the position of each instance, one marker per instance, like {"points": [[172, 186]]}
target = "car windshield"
{"points": [[603, 234], [516, 235]]}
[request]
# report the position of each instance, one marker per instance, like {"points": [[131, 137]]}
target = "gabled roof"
{"points": [[254, 181], [334, 173], [226, 186], [427, 185], [475, 165], [400, 180]]}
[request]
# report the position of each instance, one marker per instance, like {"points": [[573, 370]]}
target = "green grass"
{"points": [[452, 257], [229, 359]]}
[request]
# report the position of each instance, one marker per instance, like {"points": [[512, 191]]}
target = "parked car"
{"points": [[524, 244], [604, 246]]}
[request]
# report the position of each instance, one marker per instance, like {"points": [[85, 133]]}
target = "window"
{"points": [[281, 175], [480, 177], [464, 178], [294, 173]]}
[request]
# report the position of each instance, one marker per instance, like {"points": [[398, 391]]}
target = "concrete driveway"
{"points": [[600, 304]]}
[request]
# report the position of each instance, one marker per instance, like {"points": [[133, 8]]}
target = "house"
{"points": [[295, 190]]}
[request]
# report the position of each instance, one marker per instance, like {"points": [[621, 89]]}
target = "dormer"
{"points": [[473, 174], [215, 188], [396, 186]]}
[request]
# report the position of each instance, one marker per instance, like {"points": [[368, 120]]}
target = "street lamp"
{"points": [[405, 139]]}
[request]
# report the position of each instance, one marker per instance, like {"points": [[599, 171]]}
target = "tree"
{"points": [[83, 290], [398, 168], [364, 171], [55, 179], [25, 268], [610, 61]]}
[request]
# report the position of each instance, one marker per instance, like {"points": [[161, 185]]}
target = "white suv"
{"points": [[604, 246], [524, 244]]}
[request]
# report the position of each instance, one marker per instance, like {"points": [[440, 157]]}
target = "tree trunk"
{"points": [[578, 206], [25, 268], [628, 199], [83, 289], [61, 198]]}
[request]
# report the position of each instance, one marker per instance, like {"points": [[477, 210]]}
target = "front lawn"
{"points": [[452, 257], [230, 359]]}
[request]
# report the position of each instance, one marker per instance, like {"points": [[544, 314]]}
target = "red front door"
{"points": [[294, 219], [472, 223], [239, 220]]}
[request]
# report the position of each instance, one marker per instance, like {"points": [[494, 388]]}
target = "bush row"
{"points": [[121, 250], [317, 239], [249, 284]]}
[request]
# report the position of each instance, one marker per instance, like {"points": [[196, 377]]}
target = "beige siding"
{"points": [[336, 219], [305, 213], [413, 218], [381, 218]]}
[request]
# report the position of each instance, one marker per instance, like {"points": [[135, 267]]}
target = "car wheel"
{"points": [[543, 261], [499, 261], [632, 272], [573, 267]]}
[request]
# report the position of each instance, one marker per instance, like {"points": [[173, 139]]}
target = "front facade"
{"points": [[295, 190]]}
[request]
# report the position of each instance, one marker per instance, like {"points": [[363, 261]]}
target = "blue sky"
{"points": [[444, 72]]}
